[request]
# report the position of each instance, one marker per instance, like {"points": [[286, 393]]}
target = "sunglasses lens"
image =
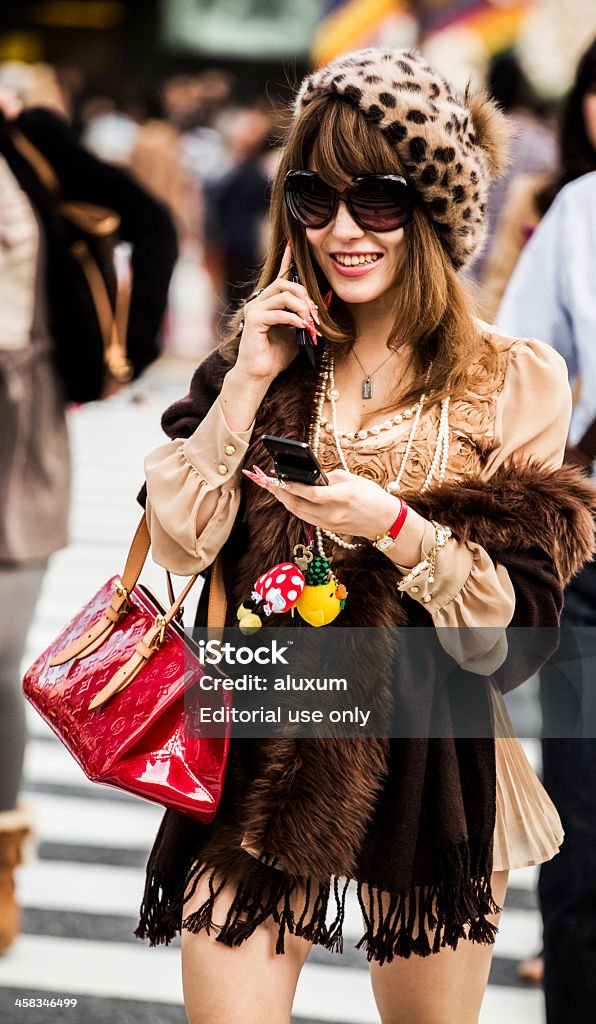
{"points": [[381, 204], [309, 200]]}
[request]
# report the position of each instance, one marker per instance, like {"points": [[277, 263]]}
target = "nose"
{"points": [[344, 226]]}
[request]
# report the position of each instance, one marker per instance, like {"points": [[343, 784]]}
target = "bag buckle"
{"points": [[160, 623]]}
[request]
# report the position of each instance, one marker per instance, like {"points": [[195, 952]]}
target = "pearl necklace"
{"points": [[351, 435], [326, 388]]}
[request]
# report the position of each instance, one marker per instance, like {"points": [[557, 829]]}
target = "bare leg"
{"points": [[246, 984], [444, 988]]}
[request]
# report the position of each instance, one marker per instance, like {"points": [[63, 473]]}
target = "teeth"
{"points": [[353, 261]]}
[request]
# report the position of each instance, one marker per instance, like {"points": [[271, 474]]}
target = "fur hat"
{"points": [[450, 147]]}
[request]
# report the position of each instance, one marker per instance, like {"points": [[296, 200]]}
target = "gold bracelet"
{"points": [[442, 535]]}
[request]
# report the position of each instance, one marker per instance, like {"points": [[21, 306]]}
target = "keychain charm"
{"points": [[323, 596]]}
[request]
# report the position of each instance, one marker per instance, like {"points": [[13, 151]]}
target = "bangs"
{"points": [[343, 144]]}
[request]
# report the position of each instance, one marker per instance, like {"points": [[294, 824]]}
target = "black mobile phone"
{"points": [[294, 460], [303, 338]]}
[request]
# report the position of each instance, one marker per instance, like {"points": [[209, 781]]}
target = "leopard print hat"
{"points": [[451, 147]]}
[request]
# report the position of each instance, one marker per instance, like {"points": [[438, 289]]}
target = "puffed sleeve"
{"points": [[181, 476], [534, 409], [471, 594]]}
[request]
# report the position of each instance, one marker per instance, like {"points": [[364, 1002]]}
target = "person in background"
{"points": [[241, 201], [534, 147], [38, 319], [530, 194], [107, 131], [551, 296]]}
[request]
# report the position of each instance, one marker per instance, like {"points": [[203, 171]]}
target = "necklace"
{"points": [[351, 435], [438, 465], [367, 388]]}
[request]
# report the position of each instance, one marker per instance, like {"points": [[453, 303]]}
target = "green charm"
{"points": [[318, 572]]}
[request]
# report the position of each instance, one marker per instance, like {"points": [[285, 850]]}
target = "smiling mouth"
{"points": [[356, 259]]}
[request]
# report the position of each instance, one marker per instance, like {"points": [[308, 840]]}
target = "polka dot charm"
{"points": [[279, 587]]}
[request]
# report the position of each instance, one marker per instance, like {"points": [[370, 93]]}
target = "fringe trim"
{"points": [[420, 922]]}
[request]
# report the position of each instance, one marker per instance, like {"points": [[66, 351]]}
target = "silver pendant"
{"points": [[367, 388]]}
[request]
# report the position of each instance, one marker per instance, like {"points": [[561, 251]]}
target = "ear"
{"points": [[493, 129]]}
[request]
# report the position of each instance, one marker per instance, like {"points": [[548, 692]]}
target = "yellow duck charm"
{"points": [[323, 597]]}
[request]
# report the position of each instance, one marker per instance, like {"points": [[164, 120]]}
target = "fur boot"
{"points": [[16, 827]]}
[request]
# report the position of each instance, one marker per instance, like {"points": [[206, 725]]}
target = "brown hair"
{"points": [[434, 316]]}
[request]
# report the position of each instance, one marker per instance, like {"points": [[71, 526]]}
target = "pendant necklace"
{"points": [[367, 387]]}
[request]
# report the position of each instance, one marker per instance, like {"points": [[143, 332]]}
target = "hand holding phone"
{"points": [[271, 319], [294, 460], [306, 338]]}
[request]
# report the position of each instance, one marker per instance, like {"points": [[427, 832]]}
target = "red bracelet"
{"points": [[399, 522]]}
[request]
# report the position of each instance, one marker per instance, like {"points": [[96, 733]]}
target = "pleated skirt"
{"points": [[528, 828]]}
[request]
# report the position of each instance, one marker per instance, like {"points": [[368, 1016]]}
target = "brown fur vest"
{"points": [[410, 818]]}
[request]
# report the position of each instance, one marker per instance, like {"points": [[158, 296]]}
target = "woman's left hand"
{"points": [[350, 505]]}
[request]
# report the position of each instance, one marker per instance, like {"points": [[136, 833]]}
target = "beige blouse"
{"points": [[520, 409]]}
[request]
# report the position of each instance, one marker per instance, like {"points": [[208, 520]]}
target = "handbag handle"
{"points": [[119, 606]]}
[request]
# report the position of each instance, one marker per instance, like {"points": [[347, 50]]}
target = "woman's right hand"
{"points": [[268, 342]]}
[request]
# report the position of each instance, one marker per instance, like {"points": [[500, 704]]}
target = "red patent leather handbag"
{"points": [[112, 687]]}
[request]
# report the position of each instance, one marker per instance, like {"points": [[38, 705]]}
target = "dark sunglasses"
{"points": [[377, 202]]}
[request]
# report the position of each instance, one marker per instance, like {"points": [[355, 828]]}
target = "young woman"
{"points": [[446, 507]]}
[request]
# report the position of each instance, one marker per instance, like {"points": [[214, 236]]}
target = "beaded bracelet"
{"points": [[442, 535]]}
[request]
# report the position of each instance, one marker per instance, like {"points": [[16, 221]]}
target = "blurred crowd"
{"points": [[197, 145]]}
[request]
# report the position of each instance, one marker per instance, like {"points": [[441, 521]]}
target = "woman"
{"points": [[531, 195], [409, 399]]}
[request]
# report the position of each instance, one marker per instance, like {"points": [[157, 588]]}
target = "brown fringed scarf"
{"points": [[410, 820]]}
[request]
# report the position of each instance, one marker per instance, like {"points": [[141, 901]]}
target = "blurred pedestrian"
{"points": [[42, 320], [380, 190], [241, 201], [552, 296], [533, 150], [531, 194]]}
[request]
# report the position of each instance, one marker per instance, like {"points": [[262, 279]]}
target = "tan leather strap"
{"points": [[154, 637], [101, 629], [217, 606], [43, 169], [98, 221], [114, 346]]}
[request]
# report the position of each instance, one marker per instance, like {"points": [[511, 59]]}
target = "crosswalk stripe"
{"points": [[97, 822]]}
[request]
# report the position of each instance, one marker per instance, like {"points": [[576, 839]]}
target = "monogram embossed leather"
{"points": [[135, 739]]}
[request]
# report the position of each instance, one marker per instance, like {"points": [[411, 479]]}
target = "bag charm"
{"points": [[323, 596], [276, 591], [319, 596]]}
